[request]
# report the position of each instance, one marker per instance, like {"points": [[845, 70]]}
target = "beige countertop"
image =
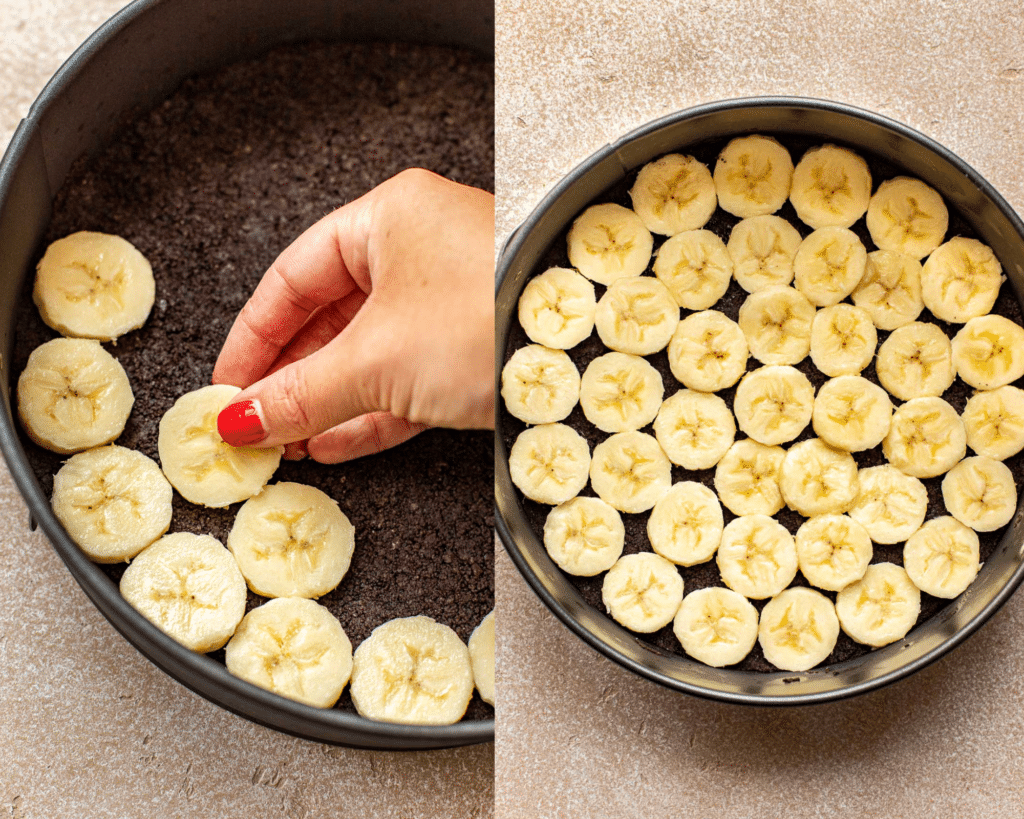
{"points": [[593, 740], [88, 727]]}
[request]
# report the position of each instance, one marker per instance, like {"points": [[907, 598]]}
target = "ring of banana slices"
{"points": [[804, 419]]}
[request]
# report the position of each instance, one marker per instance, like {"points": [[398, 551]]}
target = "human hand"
{"points": [[373, 325]]}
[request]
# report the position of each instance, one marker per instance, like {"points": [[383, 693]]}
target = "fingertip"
{"points": [[241, 423], [296, 451]]}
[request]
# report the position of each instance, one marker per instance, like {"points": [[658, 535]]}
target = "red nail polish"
{"points": [[240, 424]]}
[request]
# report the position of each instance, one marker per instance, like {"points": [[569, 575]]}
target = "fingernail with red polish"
{"points": [[241, 423]]}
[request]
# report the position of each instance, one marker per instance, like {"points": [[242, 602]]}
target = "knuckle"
{"points": [[293, 400]]}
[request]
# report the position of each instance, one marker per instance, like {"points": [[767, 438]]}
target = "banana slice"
{"points": [[817, 479], [980, 493], [686, 524], [549, 463], [926, 438], [695, 429], [295, 648], [798, 629], [557, 308], [637, 316], [696, 268], [843, 340], [890, 291], [716, 626], [584, 536], [831, 187], [961, 280], [773, 405], [994, 422], [189, 587], [753, 176], [988, 352], [891, 506], [198, 463], [708, 351], [829, 264], [833, 551], [916, 361], [93, 285], [942, 558], [630, 471], [113, 501], [608, 242], [481, 656], [73, 395], [292, 540], [642, 592], [747, 478], [757, 556], [540, 385], [851, 413], [620, 392], [776, 322], [907, 216], [673, 194], [762, 250], [412, 670], [881, 607]]}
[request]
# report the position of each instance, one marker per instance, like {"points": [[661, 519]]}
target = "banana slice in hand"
{"points": [[980, 493], [292, 540], [843, 340], [695, 267], [642, 592], [113, 502], [942, 557], [412, 670], [637, 316], [916, 361], [851, 413], [926, 438], [716, 626], [994, 422], [73, 395], [584, 536], [833, 551], [908, 216], [708, 351], [757, 556], [189, 587], [630, 471], [695, 429], [747, 478], [773, 405], [817, 479], [481, 656], [831, 187], [686, 524], [890, 505], [608, 242], [776, 322], [829, 264], [673, 194], [762, 249], [549, 463], [753, 176], [988, 352], [798, 629], [890, 291], [557, 308], [961, 280], [620, 392], [94, 285], [198, 463], [881, 607], [293, 647], [540, 385]]}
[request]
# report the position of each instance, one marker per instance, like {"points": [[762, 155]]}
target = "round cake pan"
{"points": [[132, 62], [964, 190]]}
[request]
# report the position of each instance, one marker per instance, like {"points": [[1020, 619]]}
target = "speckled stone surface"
{"points": [[593, 739], [88, 727]]}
